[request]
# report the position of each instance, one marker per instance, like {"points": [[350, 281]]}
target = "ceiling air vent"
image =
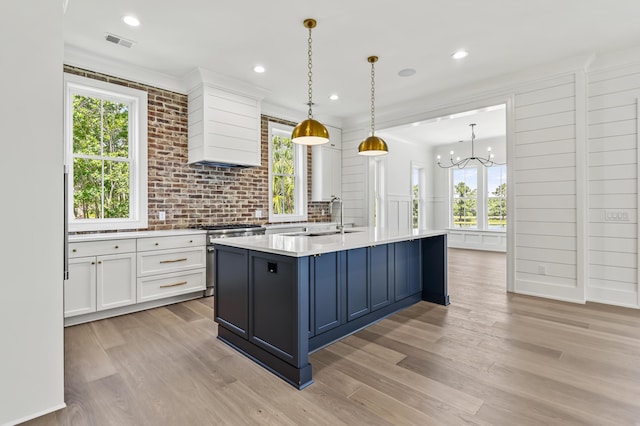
{"points": [[119, 40]]}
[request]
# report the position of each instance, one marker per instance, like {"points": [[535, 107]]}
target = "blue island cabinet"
{"points": [[276, 309]]}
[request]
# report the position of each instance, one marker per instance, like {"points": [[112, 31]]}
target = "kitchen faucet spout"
{"points": [[335, 199]]}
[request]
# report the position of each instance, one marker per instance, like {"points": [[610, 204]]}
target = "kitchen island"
{"points": [[280, 297]]}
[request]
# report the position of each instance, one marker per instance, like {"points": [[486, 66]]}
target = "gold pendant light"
{"points": [[373, 145], [310, 131]]}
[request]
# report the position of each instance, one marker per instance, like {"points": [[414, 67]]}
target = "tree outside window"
{"points": [[497, 198], [465, 198], [287, 176], [283, 175], [101, 163]]}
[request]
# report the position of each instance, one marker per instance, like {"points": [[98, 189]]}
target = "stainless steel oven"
{"points": [[224, 231]]}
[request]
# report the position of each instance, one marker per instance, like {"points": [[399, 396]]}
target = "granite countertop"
{"points": [[133, 234], [309, 243]]}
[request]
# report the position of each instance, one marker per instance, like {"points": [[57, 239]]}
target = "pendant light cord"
{"points": [[373, 97], [310, 75]]}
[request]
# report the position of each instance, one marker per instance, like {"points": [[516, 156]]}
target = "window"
{"points": [[465, 198], [418, 215], [497, 198], [287, 176], [378, 168], [106, 153], [484, 209]]}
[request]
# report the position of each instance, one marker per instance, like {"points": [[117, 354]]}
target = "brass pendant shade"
{"points": [[373, 145], [310, 131]]}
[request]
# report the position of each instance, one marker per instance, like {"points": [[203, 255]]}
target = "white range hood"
{"points": [[224, 120]]}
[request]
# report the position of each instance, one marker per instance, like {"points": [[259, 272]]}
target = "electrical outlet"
{"points": [[542, 270], [616, 216], [258, 214], [162, 215], [322, 212]]}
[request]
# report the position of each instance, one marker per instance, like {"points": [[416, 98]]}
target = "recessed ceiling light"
{"points": [[460, 54], [334, 97], [407, 72], [131, 20], [258, 69]]}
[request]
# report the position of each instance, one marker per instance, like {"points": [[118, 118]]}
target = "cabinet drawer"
{"points": [[177, 241], [99, 248], [167, 285], [163, 261]]}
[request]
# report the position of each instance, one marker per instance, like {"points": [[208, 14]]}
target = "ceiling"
{"points": [[231, 37]]}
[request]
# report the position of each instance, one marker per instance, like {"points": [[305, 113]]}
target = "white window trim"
{"points": [[73, 85], [300, 167]]}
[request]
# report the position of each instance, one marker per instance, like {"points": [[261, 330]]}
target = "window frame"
{"points": [[300, 176], [503, 197], [420, 169], [452, 199], [138, 192], [482, 200]]}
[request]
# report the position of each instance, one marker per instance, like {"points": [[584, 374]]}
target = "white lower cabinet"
{"points": [[80, 288], [116, 273], [103, 281], [116, 281]]}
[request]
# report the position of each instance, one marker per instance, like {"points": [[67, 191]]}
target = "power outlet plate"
{"points": [[162, 215], [616, 216]]}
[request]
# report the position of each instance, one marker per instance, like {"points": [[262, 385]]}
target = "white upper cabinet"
{"points": [[224, 121], [326, 168]]}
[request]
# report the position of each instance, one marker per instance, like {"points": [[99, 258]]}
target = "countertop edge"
{"points": [[332, 243], [78, 238]]}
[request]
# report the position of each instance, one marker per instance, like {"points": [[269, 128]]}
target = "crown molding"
{"points": [[199, 76], [81, 58]]}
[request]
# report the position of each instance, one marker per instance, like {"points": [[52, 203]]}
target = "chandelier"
{"points": [[462, 163]]}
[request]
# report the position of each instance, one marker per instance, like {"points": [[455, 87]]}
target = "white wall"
{"points": [[356, 182], [612, 106], [31, 166], [572, 132], [546, 193], [354, 178]]}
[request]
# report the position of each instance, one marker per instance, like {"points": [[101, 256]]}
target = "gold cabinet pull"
{"points": [[173, 285], [174, 260]]}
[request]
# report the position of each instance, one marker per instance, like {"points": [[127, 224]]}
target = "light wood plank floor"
{"points": [[490, 358]]}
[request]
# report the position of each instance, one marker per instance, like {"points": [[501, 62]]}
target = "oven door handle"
{"points": [[210, 249]]}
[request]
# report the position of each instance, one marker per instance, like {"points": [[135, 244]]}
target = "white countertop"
{"points": [[301, 244], [133, 234]]}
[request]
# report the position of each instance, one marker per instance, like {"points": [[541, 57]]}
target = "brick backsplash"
{"points": [[190, 194]]}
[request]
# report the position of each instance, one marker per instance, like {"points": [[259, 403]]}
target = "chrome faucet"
{"points": [[334, 199]]}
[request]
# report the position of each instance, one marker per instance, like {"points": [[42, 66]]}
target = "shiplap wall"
{"points": [[546, 190], [612, 133], [354, 182]]}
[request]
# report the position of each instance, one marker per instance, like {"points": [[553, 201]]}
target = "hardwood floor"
{"points": [[490, 358]]}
